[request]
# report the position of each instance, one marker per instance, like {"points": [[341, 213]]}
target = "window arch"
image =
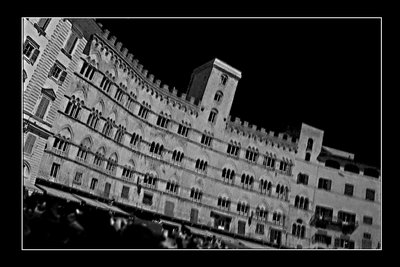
{"points": [[99, 157], [196, 194], [84, 148], [112, 163], [61, 141], [172, 186], [243, 208], [247, 181], [261, 213], [224, 202], [228, 175], [128, 170], [150, 180], [119, 134], [218, 97], [135, 139], [298, 229], [74, 107]]}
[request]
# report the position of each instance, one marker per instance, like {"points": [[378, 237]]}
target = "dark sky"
{"points": [[325, 73]]}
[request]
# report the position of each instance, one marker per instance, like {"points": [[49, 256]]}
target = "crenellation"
{"points": [[112, 40], [245, 123], [139, 67], [174, 91], [151, 78], [165, 87], [125, 52], [158, 83], [144, 72], [135, 62], [130, 58], [118, 46], [192, 98]]}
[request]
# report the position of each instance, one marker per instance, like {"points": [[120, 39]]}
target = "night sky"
{"points": [[325, 73]]}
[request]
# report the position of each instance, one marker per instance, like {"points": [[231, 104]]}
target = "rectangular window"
{"points": [[31, 50], [348, 189], [107, 189], [93, 184], [324, 184], [78, 178], [30, 141], [42, 108], [58, 73], [147, 199], [367, 220], [125, 192], [54, 170], [370, 194], [70, 44]]}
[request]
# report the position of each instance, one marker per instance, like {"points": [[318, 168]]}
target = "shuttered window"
{"points": [[31, 50], [43, 23], [42, 108], [30, 141], [70, 45]]}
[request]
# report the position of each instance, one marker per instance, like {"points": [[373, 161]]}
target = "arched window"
{"points": [[83, 150], [99, 157], [296, 201], [213, 115], [218, 97], [119, 134], [74, 107], [135, 139]]}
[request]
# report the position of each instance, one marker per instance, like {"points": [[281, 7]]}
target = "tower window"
{"points": [[224, 79], [31, 50], [213, 115], [308, 156], [310, 144], [218, 97]]}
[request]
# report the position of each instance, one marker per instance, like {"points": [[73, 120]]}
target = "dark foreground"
{"points": [[50, 223]]}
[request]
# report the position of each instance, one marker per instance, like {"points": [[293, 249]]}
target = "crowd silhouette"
{"points": [[53, 223]]}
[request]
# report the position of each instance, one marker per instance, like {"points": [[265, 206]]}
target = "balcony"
{"points": [[335, 224]]}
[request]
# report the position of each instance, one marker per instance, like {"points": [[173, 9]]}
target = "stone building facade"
{"points": [[51, 50], [120, 134]]}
